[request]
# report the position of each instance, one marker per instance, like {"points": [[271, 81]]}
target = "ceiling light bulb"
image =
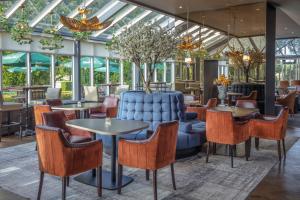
{"points": [[180, 7]]}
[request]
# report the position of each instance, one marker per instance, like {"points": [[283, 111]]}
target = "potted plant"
{"points": [[222, 83], [55, 40], [145, 43]]}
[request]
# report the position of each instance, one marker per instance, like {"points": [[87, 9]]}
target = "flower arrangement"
{"points": [[222, 80], [145, 43]]}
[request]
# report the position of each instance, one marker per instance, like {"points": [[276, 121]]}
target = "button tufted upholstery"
{"points": [[156, 108]]}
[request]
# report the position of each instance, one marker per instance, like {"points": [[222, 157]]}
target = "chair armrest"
{"points": [[70, 115], [111, 112]]}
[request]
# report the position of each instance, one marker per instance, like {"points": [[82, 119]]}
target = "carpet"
{"points": [[195, 179]]}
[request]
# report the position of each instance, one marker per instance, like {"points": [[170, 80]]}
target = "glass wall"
{"points": [[85, 71], [40, 69], [13, 74], [99, 70], [63, 76], [114, 70], [127, 73], [160, 72]]}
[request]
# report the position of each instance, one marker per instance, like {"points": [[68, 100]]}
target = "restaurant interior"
{"points": [[147, 99]]}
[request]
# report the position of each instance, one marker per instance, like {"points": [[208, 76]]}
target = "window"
{"points": [[159, 72], [169, 73], [127, 73], [99, 70], [14, 74], [63, 76], [114, 70], [85, 71], [40, 69]]}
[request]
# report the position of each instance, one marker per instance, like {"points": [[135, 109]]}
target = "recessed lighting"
{"points": [[293, 32], [180, 7], [285, 28], [241, 20], [257, 9]]}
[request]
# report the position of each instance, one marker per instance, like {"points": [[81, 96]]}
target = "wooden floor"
{"points": [[283, 181]]}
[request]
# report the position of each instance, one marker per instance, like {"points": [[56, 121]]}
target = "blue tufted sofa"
{"points": [[156, 108]]}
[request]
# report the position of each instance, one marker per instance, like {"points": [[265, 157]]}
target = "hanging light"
{"points": [[84, 24]]}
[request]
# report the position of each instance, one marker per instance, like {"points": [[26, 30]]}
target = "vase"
{"points": [[222, 93]]}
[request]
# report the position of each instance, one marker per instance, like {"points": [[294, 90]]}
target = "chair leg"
{"points": [[120, 174], [247, 148], [279, 150], [155, 184], [173, 176], [231, 154], [283, 147], [257, 143], [68, 181], [214, 148], [147, 174], [40, 185], [99, 180], [64, 187], [207, 151]]}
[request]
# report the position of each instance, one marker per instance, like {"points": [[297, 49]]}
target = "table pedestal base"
{"points": [[89, 179]]}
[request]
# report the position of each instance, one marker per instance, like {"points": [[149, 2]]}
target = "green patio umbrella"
{"points": [[23, 69], [19, 59]]}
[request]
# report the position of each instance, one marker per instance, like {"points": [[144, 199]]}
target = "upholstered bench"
{"points": [[161, 107]]}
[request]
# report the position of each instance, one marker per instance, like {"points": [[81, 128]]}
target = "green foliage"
{"points": [[21, 31], [13, 79], [3, 21], [82, 35], [54, 41], [66, 85]]}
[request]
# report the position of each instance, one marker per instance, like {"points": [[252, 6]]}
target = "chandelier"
{"points": [[84, 24]]}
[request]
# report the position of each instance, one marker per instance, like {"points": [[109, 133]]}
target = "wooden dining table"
{"points": [[112, 128], [237, 112]]}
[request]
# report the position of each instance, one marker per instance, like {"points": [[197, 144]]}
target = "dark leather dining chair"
{"points": [[58, 157], [58, 119], [109, 108], [288, 101], [271, 128], [152, 154], [221, 128], [70, 114], [201, 111]]}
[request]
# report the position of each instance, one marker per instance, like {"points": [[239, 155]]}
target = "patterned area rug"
{"points": [[195, 179]]}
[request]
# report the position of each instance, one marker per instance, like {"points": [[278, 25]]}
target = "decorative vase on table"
{"points": [[222, 94]]}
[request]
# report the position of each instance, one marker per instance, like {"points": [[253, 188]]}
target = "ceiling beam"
{"points": [[14, 8], [44, 12]]}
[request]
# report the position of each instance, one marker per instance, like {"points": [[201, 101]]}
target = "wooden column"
{"points": [[270, 59]]}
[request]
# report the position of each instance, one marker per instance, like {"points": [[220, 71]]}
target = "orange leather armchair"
{"points": [[222, 129], [201, 111], [288, 101], [38, 110], [271, 128], [58, 157], [58, 102], [109, 108], [152, 154], [251, 96], [58, 119]]}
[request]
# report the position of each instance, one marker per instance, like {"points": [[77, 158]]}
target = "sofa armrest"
{"points": [[185, 127], [190, 116]]}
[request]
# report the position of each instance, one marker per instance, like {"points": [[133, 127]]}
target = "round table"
{"points": [[85, 107], [114, 128], [237, 112]]}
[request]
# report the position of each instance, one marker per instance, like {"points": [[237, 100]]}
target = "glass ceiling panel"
{"points": [[260, 42], [126, 20], [246, 43], [64, 8], [8, 4]]}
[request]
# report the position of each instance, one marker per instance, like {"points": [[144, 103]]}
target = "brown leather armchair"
{"points": [[271, 128], [201, 111], [152, 154], [251, 96], [288, 101], [284, 84], [222, 129], [38, 110], [58, 102], [58, 157], [58, 119], [109, 108]]}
